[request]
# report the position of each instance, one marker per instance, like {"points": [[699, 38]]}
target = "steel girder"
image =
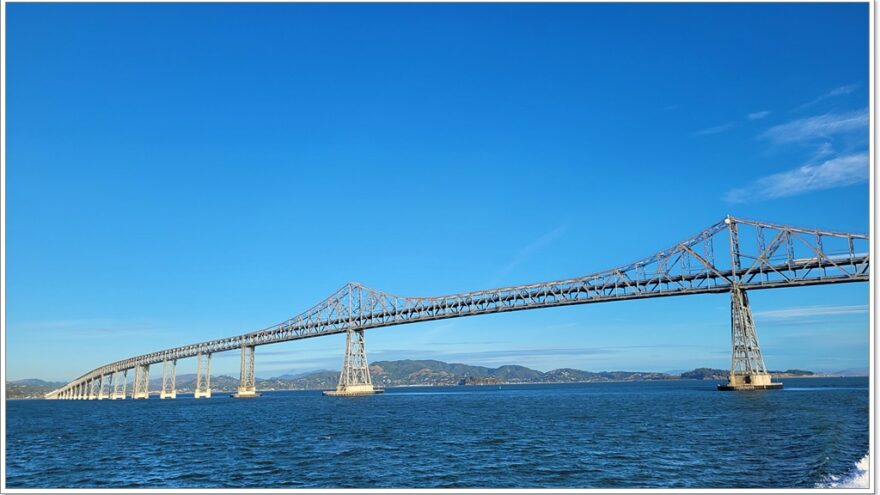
{"points": [[762, 256]]}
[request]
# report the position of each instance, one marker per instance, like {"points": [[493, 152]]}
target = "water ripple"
{"points": [[626, 435]]}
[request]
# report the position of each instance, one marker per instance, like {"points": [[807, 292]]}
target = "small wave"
{"points": [[856, 478]]}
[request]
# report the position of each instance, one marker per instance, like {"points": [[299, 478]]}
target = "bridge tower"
{"points": [[747, 369], [169, 389], [355, 376], [203, 376], [246, 386], [140, 389]]}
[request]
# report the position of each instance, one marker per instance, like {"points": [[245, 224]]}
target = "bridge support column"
{"points": [[355, 376], [140, 389], [747, 369], [92, 393], [246, 385], [117, 386], [169, 389], [104, 383], [203, 376]]}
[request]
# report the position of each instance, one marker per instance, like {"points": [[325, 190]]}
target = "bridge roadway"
{"points": [[690, 267]]}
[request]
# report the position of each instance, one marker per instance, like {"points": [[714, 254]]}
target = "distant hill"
{"points": [[850, 372], [35, 382], [430, 372], [705, 374], [30, 388], [409, 372], [716, 374]]}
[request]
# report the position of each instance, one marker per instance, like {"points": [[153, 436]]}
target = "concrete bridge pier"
{"points": [[747, 369], [140, 389], [169, 389], [355, 376], [203, 376], [103, 384], [92, 392], [119, 379], [246, 385]]}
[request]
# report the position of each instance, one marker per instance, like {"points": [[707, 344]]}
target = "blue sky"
{"points": [[181, 172]]}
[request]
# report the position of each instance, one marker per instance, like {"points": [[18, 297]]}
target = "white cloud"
{"points": [[824, 150], [758, 115], [818, 127], [836, 172], [714, 130], [810, 311], [843, 90], [839, 91]]}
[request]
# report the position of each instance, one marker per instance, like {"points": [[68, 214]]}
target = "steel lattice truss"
{"points": [[732, 253]]}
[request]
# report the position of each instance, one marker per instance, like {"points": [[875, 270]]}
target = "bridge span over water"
{"points": [[732, 256]]}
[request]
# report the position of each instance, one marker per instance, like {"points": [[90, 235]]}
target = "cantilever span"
{"points": [[750, 255]]}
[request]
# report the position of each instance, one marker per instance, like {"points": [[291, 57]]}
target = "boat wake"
{"points": [[856, 478]]}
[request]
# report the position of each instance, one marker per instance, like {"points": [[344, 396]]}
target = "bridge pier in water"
{"points": [[119, 379], [203, 376], [747, 369], [246, 386], [169, 389], [354, 379], [140, 389], [104, 384]]}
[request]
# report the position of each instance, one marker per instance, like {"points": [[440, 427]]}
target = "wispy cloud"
{"points": [[843, 90], [817, 127], [505, 354], [714, 130], [824, 150], [528, 251], [91, 328], [839, 91], [758, 115], [836, 172], [811, 311]]}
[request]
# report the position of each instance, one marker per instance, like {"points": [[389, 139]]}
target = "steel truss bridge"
{"points": [[731, 256]]}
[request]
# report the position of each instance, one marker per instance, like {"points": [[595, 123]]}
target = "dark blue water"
{"points": [[647, 434]]}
